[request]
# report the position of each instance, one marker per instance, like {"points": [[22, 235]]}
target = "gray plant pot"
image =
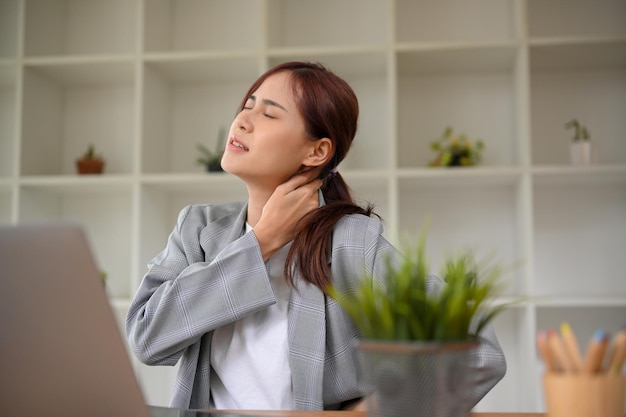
{"points": [[417, 379]]}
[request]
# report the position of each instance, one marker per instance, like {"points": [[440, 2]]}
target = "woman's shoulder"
{"points": [[360, 222], [209, 213], [358, 227]]}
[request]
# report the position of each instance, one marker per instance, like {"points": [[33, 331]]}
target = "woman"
{"points": [[238, 292]]}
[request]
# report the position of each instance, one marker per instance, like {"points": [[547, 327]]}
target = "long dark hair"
{"points": [[330, 109]]}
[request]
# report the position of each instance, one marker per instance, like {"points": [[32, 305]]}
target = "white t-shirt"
{"points": [[250, 358]]}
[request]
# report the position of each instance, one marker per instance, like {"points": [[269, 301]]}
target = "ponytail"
{"points": [[310, 251]]}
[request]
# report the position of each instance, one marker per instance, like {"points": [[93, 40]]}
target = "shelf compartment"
{"points": [[203, 67], [484, 217], [580, 233], [201, 25], [578, 54], [327, 23], [186, 103], [595, 96], [78, 27], [106, 216], [8, 118], [367, 75], [67, 107], [579, 18], [9, 28], [485, 20], [428, 59], [347, 63], [436, 89]]}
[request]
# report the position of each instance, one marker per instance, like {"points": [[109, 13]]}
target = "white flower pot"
{"points": [[580, 152]]}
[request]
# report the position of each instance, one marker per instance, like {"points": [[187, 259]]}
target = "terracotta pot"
{"points": [[90, 166]]}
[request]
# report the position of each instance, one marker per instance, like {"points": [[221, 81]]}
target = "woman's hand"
{"points": [[285, 207], [355, 405]]}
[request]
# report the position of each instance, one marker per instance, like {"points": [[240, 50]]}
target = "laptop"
{"points": [[61, 353]]}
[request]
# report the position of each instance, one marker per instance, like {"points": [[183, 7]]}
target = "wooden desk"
{"points": [[170, 412], [350, 414]]}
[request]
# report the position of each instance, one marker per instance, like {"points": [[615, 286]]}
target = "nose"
{"points": [[243, 122]]}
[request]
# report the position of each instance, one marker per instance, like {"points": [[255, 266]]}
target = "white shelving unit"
{"points": [[146, 80]]}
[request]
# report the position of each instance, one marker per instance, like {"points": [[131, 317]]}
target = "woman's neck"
{"points": [[256, 201]]}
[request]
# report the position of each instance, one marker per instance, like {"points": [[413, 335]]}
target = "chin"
{"points": [[226, 166]]}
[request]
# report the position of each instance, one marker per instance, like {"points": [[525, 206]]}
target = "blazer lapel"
{"points": [[219, 233]]}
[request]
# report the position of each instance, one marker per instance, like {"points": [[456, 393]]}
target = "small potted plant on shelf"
{"points": [[104, 276], [90, 162], [580, 146], [416, 339], [211, 160], [456, 150]]}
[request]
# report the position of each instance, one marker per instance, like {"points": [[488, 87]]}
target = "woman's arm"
{"points": [[183, 296]]}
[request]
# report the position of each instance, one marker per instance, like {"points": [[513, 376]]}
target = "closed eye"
{"points": [[250, 103]]}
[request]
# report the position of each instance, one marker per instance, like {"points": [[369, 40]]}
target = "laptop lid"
{"points": [[61, 353]]}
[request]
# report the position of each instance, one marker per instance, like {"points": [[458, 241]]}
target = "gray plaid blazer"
{"points": [[211, 273]]}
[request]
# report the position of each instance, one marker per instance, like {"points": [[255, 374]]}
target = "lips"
{"points": [[236, 144]]}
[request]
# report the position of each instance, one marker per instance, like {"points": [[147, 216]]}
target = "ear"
{"points": [[320, 152]]}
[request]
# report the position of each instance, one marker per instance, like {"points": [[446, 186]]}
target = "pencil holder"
{"points": [[584, 395]]}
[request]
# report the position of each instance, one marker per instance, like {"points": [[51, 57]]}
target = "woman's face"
{"points": [[267, 141]]}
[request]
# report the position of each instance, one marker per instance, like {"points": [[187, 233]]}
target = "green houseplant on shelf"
{"points": [[580, 145], [211, 160], [416, 341], [456, 150], [90, 162]]}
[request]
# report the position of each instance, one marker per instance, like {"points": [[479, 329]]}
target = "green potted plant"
{"points": [[90, 162], [104, 276], [456, 150], [580, 145], [211, 160], [415, 338]]}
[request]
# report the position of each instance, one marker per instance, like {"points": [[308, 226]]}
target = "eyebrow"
{"points": [[269, 102]]}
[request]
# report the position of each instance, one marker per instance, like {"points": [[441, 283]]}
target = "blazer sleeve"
{"points": [[187, 292]]}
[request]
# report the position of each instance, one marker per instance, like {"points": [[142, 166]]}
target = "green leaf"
{"points": [[401, 307]]}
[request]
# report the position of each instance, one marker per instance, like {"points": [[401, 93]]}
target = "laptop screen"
{"points": [[61, 352]]}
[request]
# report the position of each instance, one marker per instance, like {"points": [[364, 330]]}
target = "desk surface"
{"points": [[223, 413], [351, 414], [168, 412]]}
